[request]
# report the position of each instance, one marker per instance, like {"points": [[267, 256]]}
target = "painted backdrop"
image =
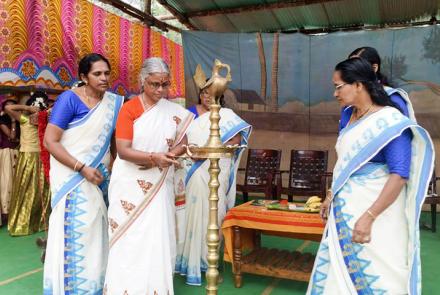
{"points": [[282, 82], [41, 42]]}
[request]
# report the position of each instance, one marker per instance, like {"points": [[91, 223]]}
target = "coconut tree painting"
{"points": [[263, 72], [274, 74]]}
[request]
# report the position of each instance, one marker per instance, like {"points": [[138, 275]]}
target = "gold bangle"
{"points": [[371, 214], [74, 167]]}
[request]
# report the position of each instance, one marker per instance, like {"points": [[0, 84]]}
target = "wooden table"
{"points": [[242, 229]]}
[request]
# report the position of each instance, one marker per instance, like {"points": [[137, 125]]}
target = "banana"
{"points": [[314, 205], [313, 199]]}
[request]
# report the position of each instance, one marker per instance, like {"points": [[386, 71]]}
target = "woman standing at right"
{"points": [[371, 242]]}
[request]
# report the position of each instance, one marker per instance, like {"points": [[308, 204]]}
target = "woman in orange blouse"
{"points": [[150, 132]]}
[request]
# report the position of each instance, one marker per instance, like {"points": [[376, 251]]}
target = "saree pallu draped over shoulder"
{"points": [[77, 245], [142, 210], [390, 263]]}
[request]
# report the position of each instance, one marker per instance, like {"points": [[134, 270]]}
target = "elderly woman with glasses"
{"points": [[150, 133], [371, 241]]}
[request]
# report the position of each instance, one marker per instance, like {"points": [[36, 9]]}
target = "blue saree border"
{"points": [[77, 178], [369, 151], [361, 281], [360, 159], [83, 119], [426, 171]]}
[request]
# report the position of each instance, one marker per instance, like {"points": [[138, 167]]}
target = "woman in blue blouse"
{"points": [[371, 240], [78, 137]]}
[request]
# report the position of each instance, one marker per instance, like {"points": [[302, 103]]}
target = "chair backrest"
{"points": [[260, 162], [306, 170]]}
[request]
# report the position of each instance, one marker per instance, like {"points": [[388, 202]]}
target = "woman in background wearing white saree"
{"points": [[78, 137], [371, 241], [191, 257], [149, 134]]}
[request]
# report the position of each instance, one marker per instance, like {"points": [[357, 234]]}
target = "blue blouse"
{"points": [[67, 108], [193, 109], [397, 153]]}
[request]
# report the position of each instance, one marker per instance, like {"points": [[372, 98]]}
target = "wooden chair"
{"points": [[307, 174], [432, 198], [260, 170]]}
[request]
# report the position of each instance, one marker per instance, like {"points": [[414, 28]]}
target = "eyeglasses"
{"points": [[339, 86], [157, 85]]}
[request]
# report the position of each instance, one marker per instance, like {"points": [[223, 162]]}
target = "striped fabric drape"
{"points": [[41, 42]]}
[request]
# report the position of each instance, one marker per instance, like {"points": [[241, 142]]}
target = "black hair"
{"points": [[373, 57], [77, 84], [3, 105], [5, 119], [85, 64], [33, 98], [221, 101], [359, 70]]}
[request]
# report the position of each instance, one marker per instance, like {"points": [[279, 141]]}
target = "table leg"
{"points": [[257, 239], [237, 257]]}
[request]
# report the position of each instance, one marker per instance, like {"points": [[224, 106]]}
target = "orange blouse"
{"points": [[130, 111]]}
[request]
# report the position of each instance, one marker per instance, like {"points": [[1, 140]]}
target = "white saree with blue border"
{"points": [[390, 263], [77, 246], [192, 251]]}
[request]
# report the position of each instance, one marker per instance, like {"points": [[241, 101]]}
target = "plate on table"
{"points": [[258, 202]]}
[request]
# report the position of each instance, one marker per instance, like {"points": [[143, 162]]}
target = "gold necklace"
{"points": [[87, 97]]}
